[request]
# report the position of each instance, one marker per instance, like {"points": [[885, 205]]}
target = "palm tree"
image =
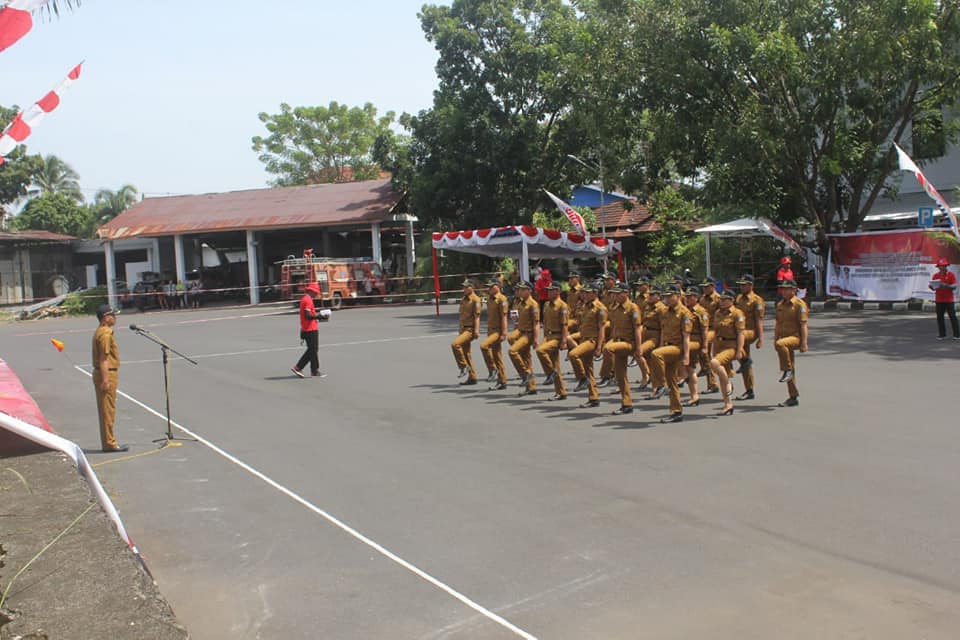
{"points": [[53, 6], [109, 204], [56, 176]]}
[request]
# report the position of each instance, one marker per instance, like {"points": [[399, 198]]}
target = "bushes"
{"points": [[85, 303]]}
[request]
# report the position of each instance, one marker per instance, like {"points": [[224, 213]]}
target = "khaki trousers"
{"points": [[785, 348], [548, 352], [620, 351], [667, 364], [522, 361], [106, 408], [493, 356], [650, 343], [749, 337], [461, 351], [582, 358]]}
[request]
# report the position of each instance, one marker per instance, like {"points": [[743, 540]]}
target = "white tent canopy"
{"points": [[747, 228]]}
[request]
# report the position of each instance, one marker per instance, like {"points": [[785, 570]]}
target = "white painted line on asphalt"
{"points": [[490, 615], [278, 349], [163, 324]]}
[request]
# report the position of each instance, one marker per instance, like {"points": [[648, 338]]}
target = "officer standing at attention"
{"points": [[470, 307], [625, 339], [673, 355], [650, 315], [753, 308], [593, 328], [106, 362], [728, 325], [528, 336], [574, 301], [698, 343], [710, 301], [555, 316], [498, 307], [789, 334]]}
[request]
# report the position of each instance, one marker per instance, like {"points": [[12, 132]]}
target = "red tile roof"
{"points": [[282, 207], [34, 236], [616, 217]]}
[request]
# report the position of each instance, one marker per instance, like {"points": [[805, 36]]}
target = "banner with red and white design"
{"points": [[22, 125], [888, 266], [906, 163], [575, 218], [16, 21]]}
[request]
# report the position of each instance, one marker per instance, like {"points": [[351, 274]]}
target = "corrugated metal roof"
{"points": [[282, 207], [33, 236]]}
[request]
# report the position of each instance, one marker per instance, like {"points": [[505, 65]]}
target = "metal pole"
{"points": [[708, 253]]}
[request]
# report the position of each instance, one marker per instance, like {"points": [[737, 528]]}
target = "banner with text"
{"points": [[888, 266]]}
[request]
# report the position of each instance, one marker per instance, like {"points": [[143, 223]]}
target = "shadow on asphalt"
{"points": [[887, 335]]}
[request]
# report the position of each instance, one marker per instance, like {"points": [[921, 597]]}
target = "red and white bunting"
{"points": [[24, 122], [16, 21], [575, 218]]}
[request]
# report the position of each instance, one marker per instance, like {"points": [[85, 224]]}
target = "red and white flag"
{"points": [[16, 21], [907, 164], [24, 122], [575, 218]]}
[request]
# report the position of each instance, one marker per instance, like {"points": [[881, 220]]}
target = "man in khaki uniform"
{"points": [[710, 301], [625, 339], [528, 336], [574, 301], [790, 334], [555, 316], [609, 299], [106, 361], [698, 343], [728, 325], [498, 308], [650, 314], [470, 308], [593, 327], [673, 354], [753, 308]]}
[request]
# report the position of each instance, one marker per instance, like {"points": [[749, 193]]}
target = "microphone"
{"points": [[134, 327]]}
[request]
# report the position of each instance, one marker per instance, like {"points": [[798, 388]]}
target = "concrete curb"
{"points": [[845, 305]]}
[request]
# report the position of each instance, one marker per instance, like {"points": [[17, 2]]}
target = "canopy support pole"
{"points": [[709, 273], [436, 280], [524, 259]]}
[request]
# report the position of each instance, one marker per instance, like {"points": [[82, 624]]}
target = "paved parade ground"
{"points": [[385, 501]]}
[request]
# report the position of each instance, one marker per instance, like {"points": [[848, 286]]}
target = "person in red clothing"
{"points": [[541, 284], [785, 272], [943, 284], [309, 333]]}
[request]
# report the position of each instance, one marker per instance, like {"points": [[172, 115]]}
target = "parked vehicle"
{"points": [[146, 295], [342, 280]]}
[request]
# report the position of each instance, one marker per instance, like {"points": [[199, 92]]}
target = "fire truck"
{"points": [[342, 280]]}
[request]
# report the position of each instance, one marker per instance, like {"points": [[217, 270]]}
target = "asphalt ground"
{"points": [[385, 501]]}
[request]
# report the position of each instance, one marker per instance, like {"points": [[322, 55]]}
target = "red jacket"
{"points": [[543, 281], [308, 314], [784, 273], [944, 294]]}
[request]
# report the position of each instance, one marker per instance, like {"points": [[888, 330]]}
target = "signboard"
{"points": [[888, 266], [925, 217]]}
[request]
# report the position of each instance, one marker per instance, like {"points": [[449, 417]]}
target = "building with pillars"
{"points": [[263, 226]]}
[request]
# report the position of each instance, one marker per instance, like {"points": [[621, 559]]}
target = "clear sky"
{"points": [[170, 90]]}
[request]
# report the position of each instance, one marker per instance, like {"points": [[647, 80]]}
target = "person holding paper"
{"points": [[943, 284]]}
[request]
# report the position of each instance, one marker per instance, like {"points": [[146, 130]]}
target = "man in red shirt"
{"points": [[309, 333], [785, 272], [943, 283]]}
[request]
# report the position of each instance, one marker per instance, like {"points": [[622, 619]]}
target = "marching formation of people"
{"points": [[675, 334]]}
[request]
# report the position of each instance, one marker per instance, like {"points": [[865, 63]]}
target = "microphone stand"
{"points": [[165, 349]]}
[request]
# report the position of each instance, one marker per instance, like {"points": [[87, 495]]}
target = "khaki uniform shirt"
{"points": [[710, 302], [674, 323], [726, 323], [607, 297], [753, 308], [555, 316], [470, 307], [105, 346], [497, 307], [593, 315], [641, 298], [790, 315], [624, 319], [651, 315], [575, 303], [701, 323], [529, 315]]}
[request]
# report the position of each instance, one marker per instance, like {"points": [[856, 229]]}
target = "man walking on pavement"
{"points": [[470, 307], [498, 307], [309, 333]]}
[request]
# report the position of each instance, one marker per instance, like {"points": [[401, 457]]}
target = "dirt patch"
{"points": [[88, 584]]}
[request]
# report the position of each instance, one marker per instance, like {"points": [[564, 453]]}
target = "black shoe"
{"points": [[787, 376], [525, 379], [463, 372], [469, 381], [726, 412], [744, 366], [622, 411], [528, 392], [681, 383], [673, 417], [581, 385], [556, 397], [498, 387], [712, 390], [550, 378], [590, 404], [492, 377], [692, 403], [118, 449], [644, 385], [746, 395], [658, 393], [603, 383], [789, 402], [702, 373]]}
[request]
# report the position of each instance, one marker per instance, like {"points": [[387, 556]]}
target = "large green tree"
{"points": [[108, 204], [17, 168], [56, 212], [789, 107], [309, 145], [56, 176]]}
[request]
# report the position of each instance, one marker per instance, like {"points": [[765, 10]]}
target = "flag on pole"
{"points": [[16, 21], [24, 122], [907, 164], [575, 218]]}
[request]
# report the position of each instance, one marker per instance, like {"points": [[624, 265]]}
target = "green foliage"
{"points": [[311, 145], [675, 214], [18, 168], [55, 212], [56, 176], [108, 204], [85, 303], [553, 218]]}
